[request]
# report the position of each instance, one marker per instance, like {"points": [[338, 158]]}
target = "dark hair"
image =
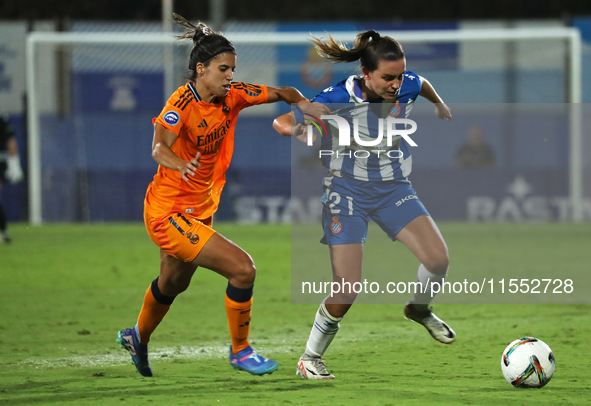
{"points": [[207, 44], [369, 47]]}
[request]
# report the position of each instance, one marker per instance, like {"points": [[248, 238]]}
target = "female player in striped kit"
{"points": [[376, 187], [193, 145]]}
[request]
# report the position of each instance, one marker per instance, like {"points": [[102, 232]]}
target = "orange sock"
{"points": [[239, 323], [151, 315]]}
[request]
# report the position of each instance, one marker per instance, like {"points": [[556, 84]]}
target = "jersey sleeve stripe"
{"points": [[186, 102], [183, 96]]}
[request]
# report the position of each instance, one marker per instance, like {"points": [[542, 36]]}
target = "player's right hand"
{"points": [[189, 168], [300, 131]]}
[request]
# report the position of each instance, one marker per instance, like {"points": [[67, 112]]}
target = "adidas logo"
{"points": [[203, 124]]}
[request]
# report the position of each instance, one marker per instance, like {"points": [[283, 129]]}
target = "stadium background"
{"points": [[97, 107], [68, 287]]}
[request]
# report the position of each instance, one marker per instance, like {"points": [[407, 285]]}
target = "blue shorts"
{"points": [[348, 204]]}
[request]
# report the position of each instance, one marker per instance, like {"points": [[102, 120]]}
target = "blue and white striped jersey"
{"points": [[345, 100]]}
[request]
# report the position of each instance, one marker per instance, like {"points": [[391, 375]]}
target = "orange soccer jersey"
{"points": [[201, 127]]}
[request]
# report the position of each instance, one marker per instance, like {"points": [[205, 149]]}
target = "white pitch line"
{"points": [[161, 355], [167, 354]]}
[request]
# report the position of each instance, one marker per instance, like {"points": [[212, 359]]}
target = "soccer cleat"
{"points": [[5, 237], [251, 362], [312, 368], [438, 329], [128, 339]]}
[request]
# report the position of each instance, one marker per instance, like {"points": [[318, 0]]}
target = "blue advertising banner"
{"points": [[118, 92]]}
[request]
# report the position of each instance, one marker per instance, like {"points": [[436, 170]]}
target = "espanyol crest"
{"points": [[336, 226], [395, 110]]}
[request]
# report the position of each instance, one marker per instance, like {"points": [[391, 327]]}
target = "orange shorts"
{"points": [[179, 234]]}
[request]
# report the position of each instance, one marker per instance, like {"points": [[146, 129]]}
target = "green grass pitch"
{"points": [[67, 289]]}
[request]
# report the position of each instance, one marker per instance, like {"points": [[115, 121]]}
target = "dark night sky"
{"points": [[298, 10]]}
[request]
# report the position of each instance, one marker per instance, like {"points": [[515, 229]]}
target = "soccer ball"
{"points": [[528, 363]]}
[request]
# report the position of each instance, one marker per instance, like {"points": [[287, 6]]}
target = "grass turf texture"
{"points": [[67, 289]]}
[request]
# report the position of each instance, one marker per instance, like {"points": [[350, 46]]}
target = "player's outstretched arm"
{"points": [[161, 152], [291, 95], [283, 124], [286, 94], [429, 93]]}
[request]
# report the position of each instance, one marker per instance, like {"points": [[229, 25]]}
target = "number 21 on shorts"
{"points": [[335, 199]]}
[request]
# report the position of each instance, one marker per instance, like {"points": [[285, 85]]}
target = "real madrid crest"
{"points": [[193, 238], [336, 226]]}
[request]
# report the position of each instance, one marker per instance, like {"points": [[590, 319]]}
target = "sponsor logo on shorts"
{"points": [[193, 238], [336, 227], [171, 117], [405, 199]]}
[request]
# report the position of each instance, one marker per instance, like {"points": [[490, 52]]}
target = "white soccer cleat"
{"points": [[438, 329], [312, 368]]}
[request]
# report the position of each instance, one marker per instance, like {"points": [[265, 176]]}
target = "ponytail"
{"points": [[369, 47], [207, 44]]}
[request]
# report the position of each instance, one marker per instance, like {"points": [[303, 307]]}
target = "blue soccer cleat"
{"points": [[251, 362], [128, 339]]}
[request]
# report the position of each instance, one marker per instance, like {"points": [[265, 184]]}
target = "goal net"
{"points": [[92, 96]]}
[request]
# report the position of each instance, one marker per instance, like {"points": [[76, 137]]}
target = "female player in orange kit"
{"points": [[193, 144]]}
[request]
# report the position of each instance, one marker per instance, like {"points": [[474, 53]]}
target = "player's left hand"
{"points": [[14, 172], [442, 111]]}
